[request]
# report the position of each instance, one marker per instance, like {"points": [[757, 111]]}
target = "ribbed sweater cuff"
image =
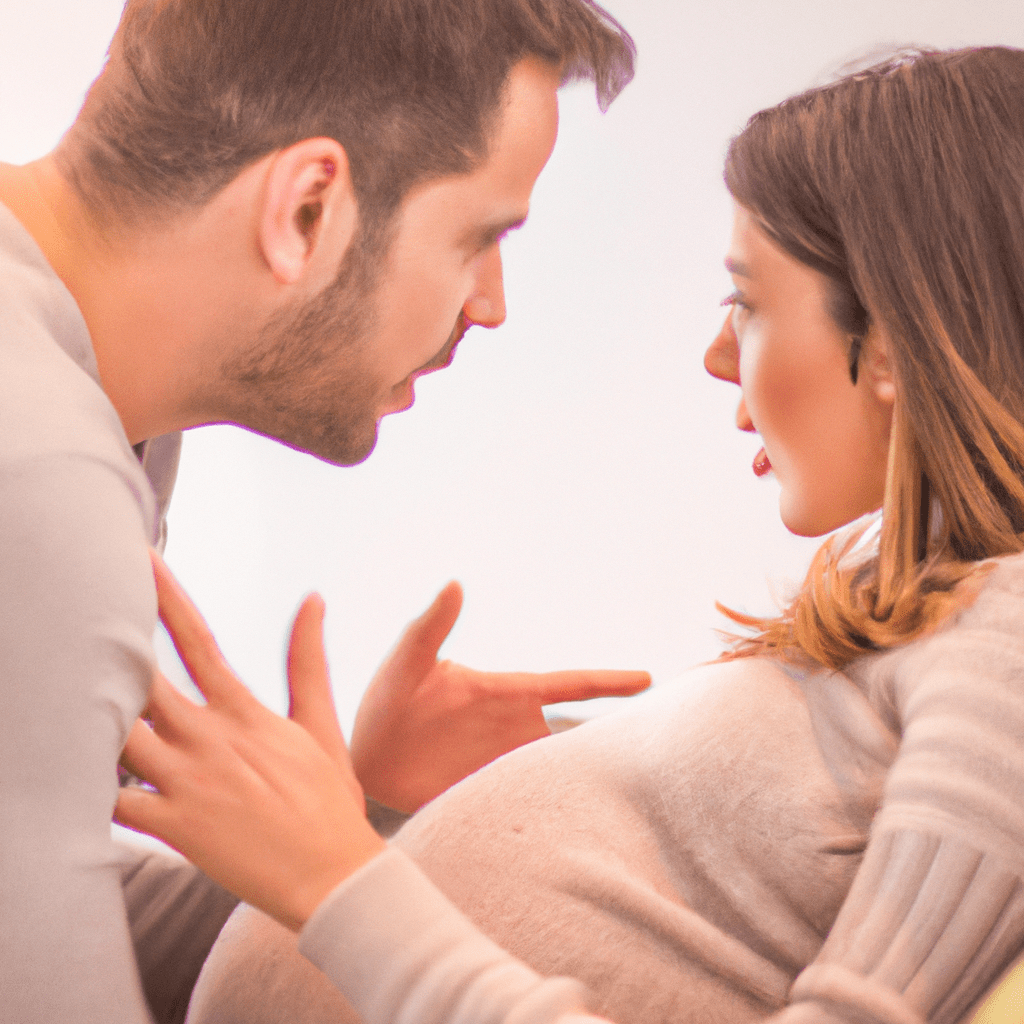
{"points": [[840, 994]]}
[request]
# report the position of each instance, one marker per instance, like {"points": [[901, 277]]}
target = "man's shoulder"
{"points": [[50, 397], [58, 431]]}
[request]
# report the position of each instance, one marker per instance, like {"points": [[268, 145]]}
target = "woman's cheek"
{"points": [[752, 381]]}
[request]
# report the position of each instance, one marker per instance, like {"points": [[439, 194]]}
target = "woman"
{"points": [[828, 826]]}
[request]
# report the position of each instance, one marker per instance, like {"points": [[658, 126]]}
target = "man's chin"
{"points": [[353, 455], [349, 450]]}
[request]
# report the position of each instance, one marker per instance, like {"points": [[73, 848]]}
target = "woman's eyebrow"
{"points": [[736, 267]]}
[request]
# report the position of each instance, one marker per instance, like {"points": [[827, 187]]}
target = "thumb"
{"points": [[311, 703], [417, 649]]}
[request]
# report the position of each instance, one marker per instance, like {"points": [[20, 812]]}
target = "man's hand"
{"points": [[424, 724], [268, 807]]}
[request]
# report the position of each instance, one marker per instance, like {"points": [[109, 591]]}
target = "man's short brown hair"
{"points": [[196, 90]]}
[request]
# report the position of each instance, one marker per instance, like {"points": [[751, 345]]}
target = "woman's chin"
{"points": [[799, 529], [803, 522]]}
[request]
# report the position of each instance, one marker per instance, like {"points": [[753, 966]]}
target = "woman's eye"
{"points": [[739, 313]]}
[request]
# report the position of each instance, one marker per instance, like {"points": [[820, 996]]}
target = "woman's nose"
{"points": [[722, 361], [722, 358]]}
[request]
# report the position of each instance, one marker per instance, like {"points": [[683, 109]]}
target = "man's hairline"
{"points": [[157, 215], [492, 126], [492, 120]]}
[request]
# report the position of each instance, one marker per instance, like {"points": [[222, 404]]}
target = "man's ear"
{"points": [[309, 212], [876, 367]]}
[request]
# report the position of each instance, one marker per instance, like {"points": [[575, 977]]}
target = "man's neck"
{"points": [[27, 192], [146, 297]]}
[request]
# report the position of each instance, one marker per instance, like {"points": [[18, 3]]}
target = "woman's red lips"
{"points": [[762, 467]]}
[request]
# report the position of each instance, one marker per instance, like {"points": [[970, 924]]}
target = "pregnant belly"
{"points": [[684, 858]]}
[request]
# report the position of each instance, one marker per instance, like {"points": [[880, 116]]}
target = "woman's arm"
{"points": [[398, 950], [936, 911], [270, 807], [930, 923]]}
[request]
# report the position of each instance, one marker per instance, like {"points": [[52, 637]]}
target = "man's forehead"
{"points": [[472, 200], [493, 198]]}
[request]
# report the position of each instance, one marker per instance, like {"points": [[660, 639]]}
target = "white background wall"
{"points": [[575, 469]]}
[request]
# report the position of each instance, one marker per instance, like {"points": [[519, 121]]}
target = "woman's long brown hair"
{"points": [[903, 183]]}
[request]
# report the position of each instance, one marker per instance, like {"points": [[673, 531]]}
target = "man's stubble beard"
{"points": [[308, 379]]}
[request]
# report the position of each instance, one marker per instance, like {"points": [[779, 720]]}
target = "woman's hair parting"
{"points": [[903, 183], [195, 90]]}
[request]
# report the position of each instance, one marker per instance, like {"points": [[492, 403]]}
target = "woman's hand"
{"points": [[268, 807]]}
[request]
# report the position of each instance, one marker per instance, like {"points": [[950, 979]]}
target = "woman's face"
{"points": [[825, 438]]}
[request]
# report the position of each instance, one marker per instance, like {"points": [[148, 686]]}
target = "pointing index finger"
{"points": [[581, 684]]}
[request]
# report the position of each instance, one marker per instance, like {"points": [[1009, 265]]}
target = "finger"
{"points": [[192, 638], [422, 639], [167, 708], [130, 757], [311, 702], [146, 756], [555, 687], [144, 811]]}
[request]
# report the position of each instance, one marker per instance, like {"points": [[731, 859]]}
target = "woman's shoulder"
{"points": [[977, 650], [1006, 575], [992, 603]]}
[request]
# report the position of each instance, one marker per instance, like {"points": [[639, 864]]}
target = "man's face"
{"points": [[323, 375]]}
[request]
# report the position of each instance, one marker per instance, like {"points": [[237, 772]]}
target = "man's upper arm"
{"points": [[77, 612]]}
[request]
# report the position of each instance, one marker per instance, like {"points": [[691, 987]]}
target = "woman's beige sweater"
{"points": [[749, 845]]}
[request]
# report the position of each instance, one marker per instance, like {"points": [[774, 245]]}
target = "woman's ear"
{"points": [[309, 214], [876, 367]]}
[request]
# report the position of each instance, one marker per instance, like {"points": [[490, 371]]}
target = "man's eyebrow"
{"points": [[494, 230], [736, 267]]}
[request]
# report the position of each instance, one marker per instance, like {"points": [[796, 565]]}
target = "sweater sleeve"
{"points": [[402, 954], [77, 613], [77, 609], [930, 923], [936, 911]]}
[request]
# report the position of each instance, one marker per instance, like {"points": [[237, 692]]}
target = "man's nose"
{"points": [[486, 306]]}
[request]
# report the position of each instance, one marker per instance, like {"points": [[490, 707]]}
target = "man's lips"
{"points": [[403, 392], [447, 353]]}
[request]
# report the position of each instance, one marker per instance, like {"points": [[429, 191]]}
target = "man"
{"points": [[267, 213]]}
